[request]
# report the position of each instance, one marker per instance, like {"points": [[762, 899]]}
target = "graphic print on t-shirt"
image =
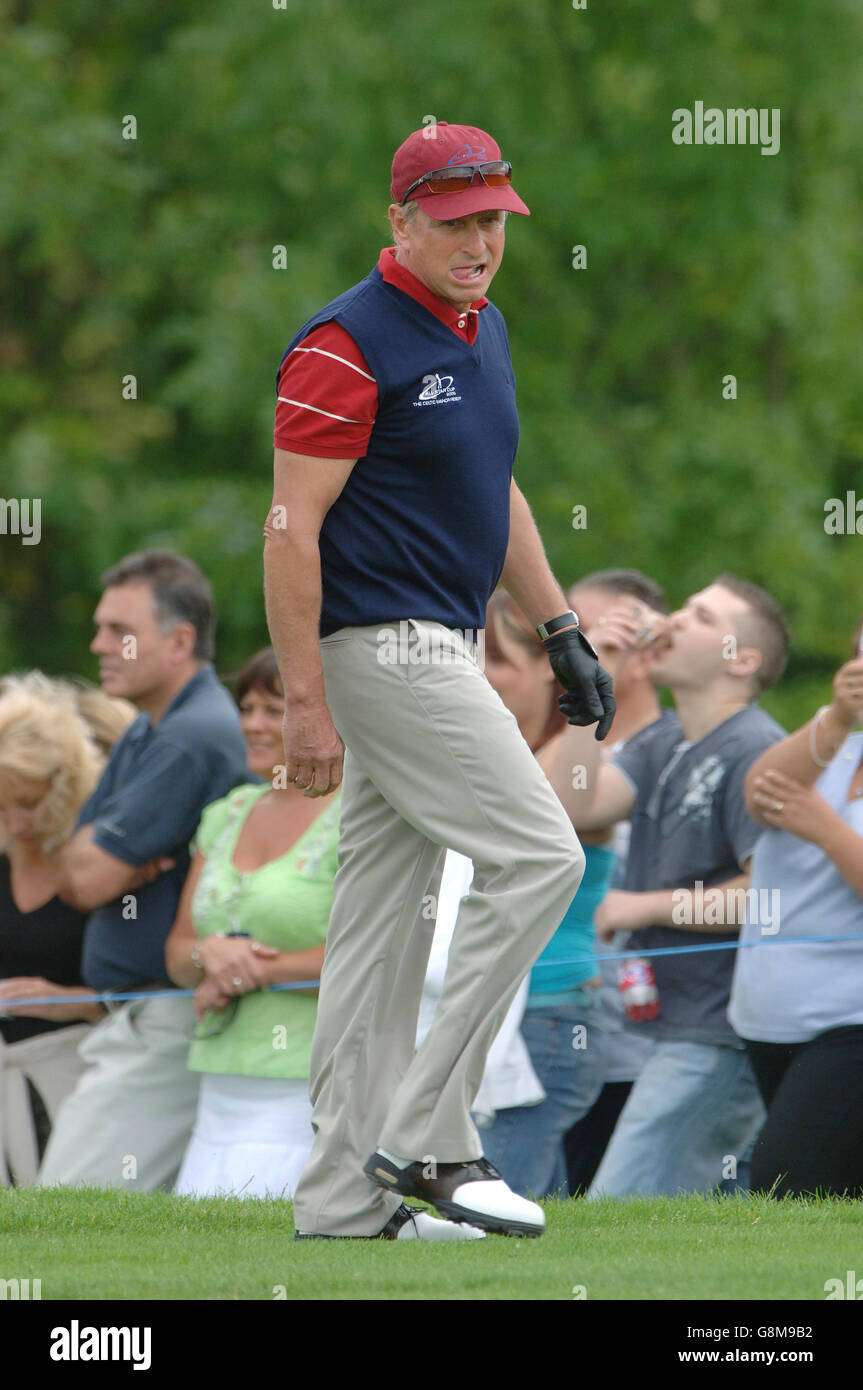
{"points": [[703, 781]]}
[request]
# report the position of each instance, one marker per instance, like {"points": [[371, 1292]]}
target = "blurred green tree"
{"points": [[261, 127]]}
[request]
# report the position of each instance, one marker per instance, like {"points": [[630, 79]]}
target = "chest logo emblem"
{"points": [[436, 390]]}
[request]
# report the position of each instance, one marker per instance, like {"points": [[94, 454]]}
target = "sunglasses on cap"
{"points": [[497, 173]]}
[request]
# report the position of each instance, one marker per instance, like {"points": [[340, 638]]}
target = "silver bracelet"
{"points": [[813, 729], [196, 953]]}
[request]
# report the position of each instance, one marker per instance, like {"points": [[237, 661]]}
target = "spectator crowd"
{"points": [[694, 1025]]}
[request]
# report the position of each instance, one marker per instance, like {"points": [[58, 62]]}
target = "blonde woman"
{"points": [[49, 764]]}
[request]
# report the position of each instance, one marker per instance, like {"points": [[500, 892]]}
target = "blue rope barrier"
{"points": [[127, 996], [650, 952]]}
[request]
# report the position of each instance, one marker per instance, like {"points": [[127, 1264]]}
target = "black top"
{"points": [[45, 942]]}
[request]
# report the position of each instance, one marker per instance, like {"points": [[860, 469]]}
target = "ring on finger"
{"points": [[777, 806], [237, 982]]}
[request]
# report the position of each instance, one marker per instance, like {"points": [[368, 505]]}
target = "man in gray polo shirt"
{"points": [[695, 1106], [129, 1119]]}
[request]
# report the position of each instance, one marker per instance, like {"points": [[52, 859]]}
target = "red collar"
{"points": [[464, 322]]}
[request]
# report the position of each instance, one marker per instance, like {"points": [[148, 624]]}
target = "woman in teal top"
{"points": [[560, 1022], [254, 913]]}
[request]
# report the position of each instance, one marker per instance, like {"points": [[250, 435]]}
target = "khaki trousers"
{"points": [[434, 760], [130, 1117]]}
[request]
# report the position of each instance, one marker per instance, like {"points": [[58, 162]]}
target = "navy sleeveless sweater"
{"points": [[421, 527]]}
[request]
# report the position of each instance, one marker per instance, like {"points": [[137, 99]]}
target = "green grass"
{"points": [[93, 1244]]}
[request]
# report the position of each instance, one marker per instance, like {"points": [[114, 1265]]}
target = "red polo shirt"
{"points": [[327, 397]]}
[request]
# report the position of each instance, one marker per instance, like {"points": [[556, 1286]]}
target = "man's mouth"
{"points": [[466, 273]]}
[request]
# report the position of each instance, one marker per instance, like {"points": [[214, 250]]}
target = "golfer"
{"points": [[395, 513]]}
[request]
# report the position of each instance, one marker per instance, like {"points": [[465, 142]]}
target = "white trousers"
{"points": [[252, 1137]]}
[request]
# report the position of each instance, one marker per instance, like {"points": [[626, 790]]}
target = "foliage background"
{"points": [[259, 126]]}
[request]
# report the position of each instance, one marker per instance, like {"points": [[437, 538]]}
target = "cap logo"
{"points": [[463, 156]]}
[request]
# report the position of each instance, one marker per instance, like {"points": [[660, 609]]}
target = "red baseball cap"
{"points": [[443, 146]]}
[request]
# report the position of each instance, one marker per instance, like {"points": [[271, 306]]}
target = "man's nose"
{"points": [[474, 241]]}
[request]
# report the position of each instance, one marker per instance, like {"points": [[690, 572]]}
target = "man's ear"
{"points": [[399, 223], [181, 643], [745, 664]]}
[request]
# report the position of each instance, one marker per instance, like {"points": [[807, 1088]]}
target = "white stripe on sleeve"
{"points": [[336, 358], [303, 406]]}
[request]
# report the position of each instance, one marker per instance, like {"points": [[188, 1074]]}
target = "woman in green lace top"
{"points": [[253, 914]]}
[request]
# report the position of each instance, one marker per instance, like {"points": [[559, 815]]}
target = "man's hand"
{"points": [[589, 692], [620, 911], [314, 755]]}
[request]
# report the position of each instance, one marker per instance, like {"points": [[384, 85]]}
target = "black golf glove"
{"points": [[589, 691]]}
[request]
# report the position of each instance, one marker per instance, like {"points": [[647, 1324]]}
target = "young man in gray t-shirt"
{"points": [[695, 1106]]}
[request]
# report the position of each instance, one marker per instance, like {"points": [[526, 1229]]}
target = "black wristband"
{"points": [[569, 619]]}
